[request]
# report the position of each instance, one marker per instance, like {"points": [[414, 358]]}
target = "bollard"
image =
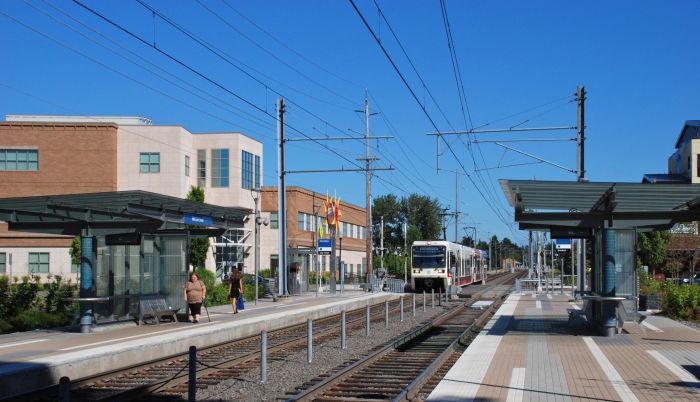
{"points": [[440, 297], [192, 384], [424, 301], [64, 389], [414, 304], [263, 357], [310, 340], [432, 298], [367, 322], [343, 344], [401, 308], [386, 314]]}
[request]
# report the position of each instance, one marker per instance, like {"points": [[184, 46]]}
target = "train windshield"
{"points": [[429, 257]]}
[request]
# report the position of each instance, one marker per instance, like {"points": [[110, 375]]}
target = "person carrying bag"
{"points": [[235, 291]]}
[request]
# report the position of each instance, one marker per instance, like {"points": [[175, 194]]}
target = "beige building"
{"points": [[45, 155], [305, 212], [684, 163]]}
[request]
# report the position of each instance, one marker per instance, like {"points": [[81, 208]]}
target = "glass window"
{"points": [[187, 165], [246, 170], [697, 166], [274, 220], [257, 171], [300, 221], [19, 160], [149, 162], [3, 263], [274, 264], [201, 168], [38, 263], [219, 168], [429, 257]]}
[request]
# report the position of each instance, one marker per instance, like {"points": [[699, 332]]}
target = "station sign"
{"points": [[570, 233], [563, 244], [325, 246], [196, 220]]}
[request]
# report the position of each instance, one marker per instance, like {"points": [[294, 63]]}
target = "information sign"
{"points": [[325, 246]]}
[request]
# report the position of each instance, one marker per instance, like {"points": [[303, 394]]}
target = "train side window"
{"points": [[453, 260]]}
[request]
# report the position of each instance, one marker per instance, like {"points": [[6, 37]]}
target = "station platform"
{"points": [[527, 353], [38, 359]]}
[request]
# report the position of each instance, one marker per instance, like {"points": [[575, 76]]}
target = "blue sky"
{"points": [[519, 62]]}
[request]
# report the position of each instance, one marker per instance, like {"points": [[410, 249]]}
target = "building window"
{"points": [[274, 263], [246, 170], [3, 263], [149, 162], [201, 168], [274, 220], [187, 165], [697, 165], [38, 263], [256, 173], [300, 221], [22, 160], [219, 168]]}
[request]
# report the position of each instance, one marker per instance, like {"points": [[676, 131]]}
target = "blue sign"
{"points": [[325, 246], [563, 244], [197, 220]]}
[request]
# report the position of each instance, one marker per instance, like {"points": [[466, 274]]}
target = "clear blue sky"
{"points": [[520, 63]]}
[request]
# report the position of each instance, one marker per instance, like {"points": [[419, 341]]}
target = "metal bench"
{"points": [[153, 305]]}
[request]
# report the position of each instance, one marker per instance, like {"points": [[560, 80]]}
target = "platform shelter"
{"points": [[132, 243], [610, 215]]}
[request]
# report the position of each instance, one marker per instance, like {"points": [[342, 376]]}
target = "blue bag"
{"points": [[240, 304]]}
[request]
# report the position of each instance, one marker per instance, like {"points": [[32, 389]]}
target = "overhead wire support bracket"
{"points": [[528, 140], [334, 170], [536, 157], [503, 130], [339, 138]]}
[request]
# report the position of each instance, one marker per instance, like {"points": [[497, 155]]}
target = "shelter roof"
{"points": [[114, 212], [646, 206]]}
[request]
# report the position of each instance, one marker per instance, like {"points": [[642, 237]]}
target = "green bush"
{"points": [[217, 295], [33, 319], [6, 327]]}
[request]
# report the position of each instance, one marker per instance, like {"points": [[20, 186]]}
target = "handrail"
{"points": [[88, 299]]}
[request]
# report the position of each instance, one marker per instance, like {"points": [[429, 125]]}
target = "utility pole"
{"points": [[405, 250], [381, 245], [456, 207], [258, 221], [580, 137], [281, 202], [368, 193]]}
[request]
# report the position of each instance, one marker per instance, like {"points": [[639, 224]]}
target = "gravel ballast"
{"points": [[285, 375]]}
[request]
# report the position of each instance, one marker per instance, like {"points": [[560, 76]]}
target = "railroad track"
{"points": [[168, 378], [409, 368]]}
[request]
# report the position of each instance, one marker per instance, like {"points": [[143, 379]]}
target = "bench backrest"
{"points": [[152, 303]]}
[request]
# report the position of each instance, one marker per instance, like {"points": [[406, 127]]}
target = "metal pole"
{"points": [[386, 313], [573, 275], [405, 251], [343, 344], [424, 301], [64, 389], [401, 307], [381, 245], [561, 278], [309, 340], [414, 304], [367, 323], [263, 357], [432, 298], [342, 266], [256, 226], [281, 201], [368, 196], [192, 380], [580, 137]]}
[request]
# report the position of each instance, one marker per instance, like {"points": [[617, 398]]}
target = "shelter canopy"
{"points": [[116, 212], [551, 205]]}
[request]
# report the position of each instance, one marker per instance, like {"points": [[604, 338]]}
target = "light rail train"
{"points": [[438, 264]]}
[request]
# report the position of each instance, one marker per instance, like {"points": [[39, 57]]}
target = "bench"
{"points": [[623, 316], [153, 305]]}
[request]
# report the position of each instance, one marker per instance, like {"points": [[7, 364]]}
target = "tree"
{"points": [[75, 250], [653, 246], [198, 247]]}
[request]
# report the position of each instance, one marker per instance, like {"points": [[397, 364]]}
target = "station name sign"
{"points": [[570, 233], [197, 220], [325, 246]]}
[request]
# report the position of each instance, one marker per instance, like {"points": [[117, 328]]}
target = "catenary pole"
{"points": [[281, 202]]}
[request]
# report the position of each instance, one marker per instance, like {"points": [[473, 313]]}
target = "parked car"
{"points": [[696, 278]]}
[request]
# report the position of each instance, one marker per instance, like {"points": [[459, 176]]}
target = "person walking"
{"points": [[195, 293], [235, 289]]}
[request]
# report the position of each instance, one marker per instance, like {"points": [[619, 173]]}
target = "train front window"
{"points": [[428, 257]]}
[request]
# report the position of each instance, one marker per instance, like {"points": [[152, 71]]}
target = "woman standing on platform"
{"points": [[195, 293], [235, 289]]}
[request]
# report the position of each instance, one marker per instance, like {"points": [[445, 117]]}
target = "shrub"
{"points": [[6, 327], [217, 295], [33, 318], [55, 291]]}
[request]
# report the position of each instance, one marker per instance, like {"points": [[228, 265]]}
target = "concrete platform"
{"points": [[38, 359], [526, 353]]}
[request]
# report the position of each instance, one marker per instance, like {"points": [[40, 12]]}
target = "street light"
{"points": [[255, 193]]}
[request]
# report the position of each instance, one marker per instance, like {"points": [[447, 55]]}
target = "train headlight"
{"points": [[416, 271]]}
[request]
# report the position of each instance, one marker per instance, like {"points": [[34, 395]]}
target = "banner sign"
{"points": [[563, 244]]}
